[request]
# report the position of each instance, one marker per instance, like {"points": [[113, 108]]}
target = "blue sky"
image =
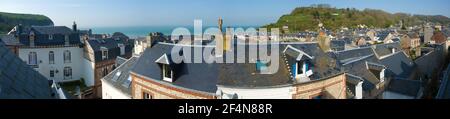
{"points": [[99, 13]]}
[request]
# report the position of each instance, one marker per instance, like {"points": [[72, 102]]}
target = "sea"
{"points": [[141, 31]]}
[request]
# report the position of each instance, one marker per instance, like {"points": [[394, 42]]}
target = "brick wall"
{"points": [[157, 90], [331, 88]]}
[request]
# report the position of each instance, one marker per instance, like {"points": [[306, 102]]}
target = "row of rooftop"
{"points": [[349, 70]]}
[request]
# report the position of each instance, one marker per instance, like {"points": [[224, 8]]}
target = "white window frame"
{"points": [[67, 73], [104, 54], [164, 68], [52, 72], [32, 58], [67, 56], [122, 49], [51, 57]]}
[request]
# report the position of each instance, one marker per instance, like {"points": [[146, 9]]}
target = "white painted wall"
{"points": [[265, 93], [139, 47], [359, 91], [88, 72], [44, 66], [109, 92]]}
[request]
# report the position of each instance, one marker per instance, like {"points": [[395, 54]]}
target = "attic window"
{"points": [[66, 40], [104, 53], [167, 72], [122, 49]]}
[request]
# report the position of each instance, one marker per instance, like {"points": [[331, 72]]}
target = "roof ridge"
{"points": [[358, 59]]}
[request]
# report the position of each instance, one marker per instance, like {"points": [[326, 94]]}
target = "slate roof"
{"points": [[195, 76], [206, 76], [19, 81], [10, 40], [52, 30], [120, 61], [348, 55], [121, 80], [358, 68], [323, 65], [405, 86], [386, 49], [347, 40], [399, 65], [337, 44], [246, 74], [42, 35], [113, 47]]}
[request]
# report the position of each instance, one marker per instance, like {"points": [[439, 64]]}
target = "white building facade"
{"points": [[62, 64]]}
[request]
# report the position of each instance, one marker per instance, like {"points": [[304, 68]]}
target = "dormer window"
{"points": [[166, 70], [122, 49], [167, 73], [300, 66], [50, 36], [66, 40], [377, 69], [104, 53], [32, 38]]}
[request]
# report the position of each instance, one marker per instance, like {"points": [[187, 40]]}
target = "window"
{"points": [[51, 57], [115, 77], [66, 40], [167, 72], [52, 73], [32, 58], [67, 73], [122, 49], [127, 82], [104, 54], [300, 67], [50, 36], [146, 95], [105, 71], [67, 57], [260, 66]]}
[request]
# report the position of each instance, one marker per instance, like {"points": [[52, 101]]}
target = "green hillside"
{"points": [[308, 18], [9, 20]]}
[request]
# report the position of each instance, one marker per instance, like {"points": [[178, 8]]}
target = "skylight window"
{"points": [[116, 76], [127, 82]]}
